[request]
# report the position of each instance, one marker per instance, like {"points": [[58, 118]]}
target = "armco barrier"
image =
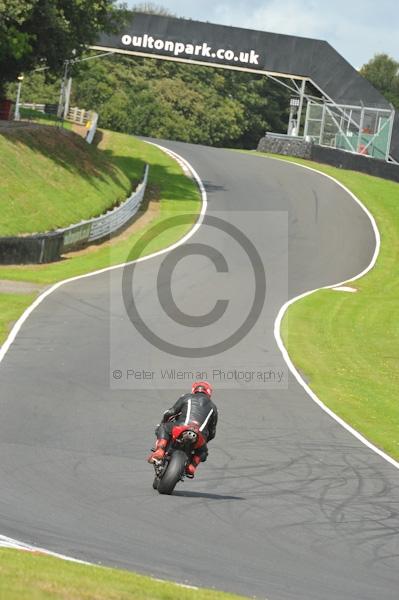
{"points": [[107, 224], [48, 247], [355, 162], [30, 249], [330, 156]]}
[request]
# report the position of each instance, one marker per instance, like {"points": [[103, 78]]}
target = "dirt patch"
{"points": [[20, 287], [80, 129]]}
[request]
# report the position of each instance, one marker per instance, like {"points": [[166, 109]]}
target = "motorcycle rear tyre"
{"points": [[173, 473], [155, 483]]}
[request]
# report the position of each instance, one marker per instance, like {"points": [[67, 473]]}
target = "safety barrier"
{"points": [[40, 248], [356, 162], [302, 148], [33, 106], [286, 145], [107, 224], [48, 247]]}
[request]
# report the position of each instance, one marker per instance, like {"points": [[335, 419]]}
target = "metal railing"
{"points": [[33, 106], [107, 224], [77, 115]]}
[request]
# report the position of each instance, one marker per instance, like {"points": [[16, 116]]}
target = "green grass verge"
{"points": [[25, 576], [347, 344], [11, 307]]}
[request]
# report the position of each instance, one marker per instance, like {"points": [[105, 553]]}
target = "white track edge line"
{"points": [[11, 544], [7, 542], [283, 309]]}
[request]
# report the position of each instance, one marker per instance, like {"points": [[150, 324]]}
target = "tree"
{"points": [[265, 105], [154, 98], [383, 73], [151, 9], [46, 32]]}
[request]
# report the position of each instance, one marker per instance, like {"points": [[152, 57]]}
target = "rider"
{"points": [[195, 408]]}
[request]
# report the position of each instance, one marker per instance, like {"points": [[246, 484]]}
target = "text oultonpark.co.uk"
{"points": [[200, 50]]}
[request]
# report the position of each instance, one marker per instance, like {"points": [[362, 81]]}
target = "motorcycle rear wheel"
{"points": [[173, 473], [155, 482]]}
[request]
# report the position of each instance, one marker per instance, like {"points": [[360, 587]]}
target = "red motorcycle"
{"points": [[184, 441]]}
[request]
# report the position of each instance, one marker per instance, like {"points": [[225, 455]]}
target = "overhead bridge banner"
{"points": [[235, 48], [201, 50]]}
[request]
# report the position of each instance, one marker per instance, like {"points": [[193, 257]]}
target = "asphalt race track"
{"points": [[289, 506]]}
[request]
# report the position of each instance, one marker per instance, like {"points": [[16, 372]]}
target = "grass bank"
{"points": [[25, 576], [347, 344], [50, 178]]}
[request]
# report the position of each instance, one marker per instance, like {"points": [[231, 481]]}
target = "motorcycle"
{"points": [[184, 441]]}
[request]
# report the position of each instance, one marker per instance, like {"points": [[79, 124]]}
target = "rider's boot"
{"points": [[159, 451], [192, 467]]}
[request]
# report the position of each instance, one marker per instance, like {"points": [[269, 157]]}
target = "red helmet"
{"points": [[202, 386]]}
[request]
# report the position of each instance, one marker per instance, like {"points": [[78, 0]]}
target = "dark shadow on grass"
{"points": [[72, 153], [98, 137]]}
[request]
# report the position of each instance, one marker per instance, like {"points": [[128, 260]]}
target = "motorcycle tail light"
{"points": [[190, 436]]}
